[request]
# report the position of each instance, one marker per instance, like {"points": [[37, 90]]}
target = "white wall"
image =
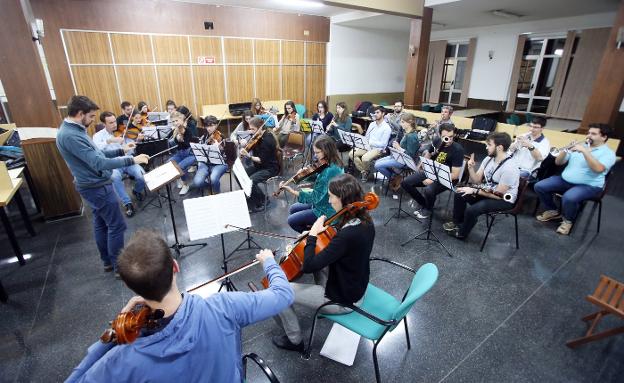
{"points": [[366, 60], [490, 78]]}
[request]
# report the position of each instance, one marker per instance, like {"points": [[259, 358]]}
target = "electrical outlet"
{"points": [[306, 32]]}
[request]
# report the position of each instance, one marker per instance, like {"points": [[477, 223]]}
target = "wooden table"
{"points": [[474, 112], [6, 196]]}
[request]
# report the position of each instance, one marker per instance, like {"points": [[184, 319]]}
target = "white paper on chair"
{"points": [[207, 216], [341, 345], [161, 175], [241, 175]]}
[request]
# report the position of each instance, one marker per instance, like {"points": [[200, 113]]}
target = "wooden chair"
{"points": [[609, 297]]}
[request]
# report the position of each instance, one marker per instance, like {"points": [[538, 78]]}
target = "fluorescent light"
{"points": [[559, 52], [505, 14], [301, 3], [14, 259]]}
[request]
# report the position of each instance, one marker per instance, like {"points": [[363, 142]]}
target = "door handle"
{"points": [[532, 85]]}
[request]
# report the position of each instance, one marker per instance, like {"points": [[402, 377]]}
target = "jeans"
{"points": [[108, 222], [573, 195], [363, 158], [385, 166], [466, 216], [410, 184], [136, 172], [257, 176], [214, 171], [301, 217], [185, 159]]}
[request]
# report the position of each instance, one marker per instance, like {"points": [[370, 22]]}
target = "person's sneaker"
{"points": [[364, 176], [282, 341], [421, 214], [139, 196], [455, 233], [192, 169], [179, 184], [129, 210], [565, 227], [449, 226], [184, 189], [548, 215], [108, 267]]}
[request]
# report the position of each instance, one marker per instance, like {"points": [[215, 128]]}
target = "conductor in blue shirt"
{"points": [[92, 169], [197, 340]]}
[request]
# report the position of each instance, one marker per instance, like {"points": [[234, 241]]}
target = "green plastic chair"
{"points": [[383, 103], [529, 117], [426, 108], [380, 312], [437, 108], [514, 119], [301, 109]]}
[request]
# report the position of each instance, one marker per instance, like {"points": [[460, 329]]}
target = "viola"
{"points": [[302, 174], [127, 326]]}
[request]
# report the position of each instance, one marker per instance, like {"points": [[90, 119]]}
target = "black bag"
{"points": [[362, 109], [484, 123], [420, 121]]}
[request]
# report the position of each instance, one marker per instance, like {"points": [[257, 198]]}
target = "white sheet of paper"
{"points": [[207, 216], [29, 133], [241, 175], [163, 174], [341, 345], [14, 173]]}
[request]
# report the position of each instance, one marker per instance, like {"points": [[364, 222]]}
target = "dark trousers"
{"points": [[257, 175], [301, 216], [412, 182], [466, 216]]}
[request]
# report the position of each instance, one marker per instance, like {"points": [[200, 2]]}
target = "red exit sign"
{"points": [[205, 60]]}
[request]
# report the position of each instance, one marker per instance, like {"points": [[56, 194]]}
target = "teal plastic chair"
{"points": [[301, 109], [437, 108], [380, 312], [425, 108], [514, 119], [262, 364], [529, 117], [383, 103]]}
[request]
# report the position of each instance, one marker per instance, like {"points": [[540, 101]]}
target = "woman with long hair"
{"points": [[390, 167], [242, 126], [288, 123], [181, 137], [342, 121], [312, 204], [256, 107], [191, 122]]}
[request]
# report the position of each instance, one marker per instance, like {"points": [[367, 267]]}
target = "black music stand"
{"points": [[317, 130], [404, 159], [438, 173], [154, 148], [208, 154], [163, 176], [355, 141]]}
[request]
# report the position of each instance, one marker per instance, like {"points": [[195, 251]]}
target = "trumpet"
{"points": [[556, 151], [517, 144]]}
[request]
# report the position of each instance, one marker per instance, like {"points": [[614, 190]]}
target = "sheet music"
{"points": [[150, 132], [161, 175], [428, 165], [403, 158], [317, 127], [208, 154], [243, 178], [354, 139], [207, 216], [341, 345], [444, 175]]}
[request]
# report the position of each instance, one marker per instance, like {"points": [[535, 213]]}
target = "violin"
{"points": [[127, 326], [215, 138], [121, 129], [302, 174], [256, 137]]}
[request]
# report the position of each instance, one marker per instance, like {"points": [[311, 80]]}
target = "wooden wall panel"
{"points": [[175, 83], [209, 85], [87, 47], [292, 83], [472, 47], [268, 82], [267, 51], [138, 83], [131, 49], [515, 74], [240, 83], [315, 53], [292, 52], [206, 46], [238, 51], [98, 83], [315, 87], [171, 49]]}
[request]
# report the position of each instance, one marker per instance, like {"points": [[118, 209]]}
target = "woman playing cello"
{"points": [[341, 270]]}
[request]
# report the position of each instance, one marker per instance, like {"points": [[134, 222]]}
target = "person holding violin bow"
{"points": [[341, 269], [184, 337], [124, 118], [134, 127], [288, 123], [261, 150], [314, 203], [181, 137], [144, 110], [207, 171]]}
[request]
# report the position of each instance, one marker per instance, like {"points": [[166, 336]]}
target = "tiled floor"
{"points": [[498, 316]]}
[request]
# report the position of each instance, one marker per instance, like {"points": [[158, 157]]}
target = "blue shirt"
{"points": [[578, 171], [378, 135], [90, 166], [201, 343]]}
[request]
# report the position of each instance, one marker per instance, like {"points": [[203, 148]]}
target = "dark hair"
{"points": [[146, 266], [246, 114], [134, 113], [186, 112], [170, 102], [292, 104], [322, 102], [125, 104], [349, 190], [345, 112], [447, 127], [399, 100], [499, 138], [605, 130], [380, 108], [82, 104], [256, 121], [255, 101], [105, 114], [210, 120], [327, 145], [539, 120], [141, 105]]}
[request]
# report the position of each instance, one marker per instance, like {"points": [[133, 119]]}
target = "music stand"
{"points": [[205, 218], [316, 130], [438, 173], [154, 149], [355, 141], [208, 154], [407, 161], [161, 176], [245, 183]]}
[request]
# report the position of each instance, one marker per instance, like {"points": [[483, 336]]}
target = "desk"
{"points": [[5, 198], [475, 112], [16, 173]]}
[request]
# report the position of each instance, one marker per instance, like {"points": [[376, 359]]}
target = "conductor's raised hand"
{"points": [[141, 159], [471, 161], [263, 255], [319, 226]]}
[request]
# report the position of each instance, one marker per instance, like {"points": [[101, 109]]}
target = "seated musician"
{"points": [[124, 118], [135, 127], [256, 107], [394, 120], [182, 137], [191, 122], [198, 339], [342, 121], [378, 135], [263, 165], [315, 203], [530, 149], [432, 135], [324, 116], [143, 109], [447, 152], [583, 177], [288, 123], [210, 174], [408, 144], [501, 176], [341, 270], [171, 106], [105, 140], [242, 126]]}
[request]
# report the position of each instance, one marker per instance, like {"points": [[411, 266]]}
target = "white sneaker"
{"points": [[185, 189], [179, 184], [421, 214]]}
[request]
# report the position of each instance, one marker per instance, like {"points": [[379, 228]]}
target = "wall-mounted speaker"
{"points": [[208, 25]]}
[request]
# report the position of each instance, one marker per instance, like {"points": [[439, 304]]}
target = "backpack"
{"points": [[362, 109]]}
